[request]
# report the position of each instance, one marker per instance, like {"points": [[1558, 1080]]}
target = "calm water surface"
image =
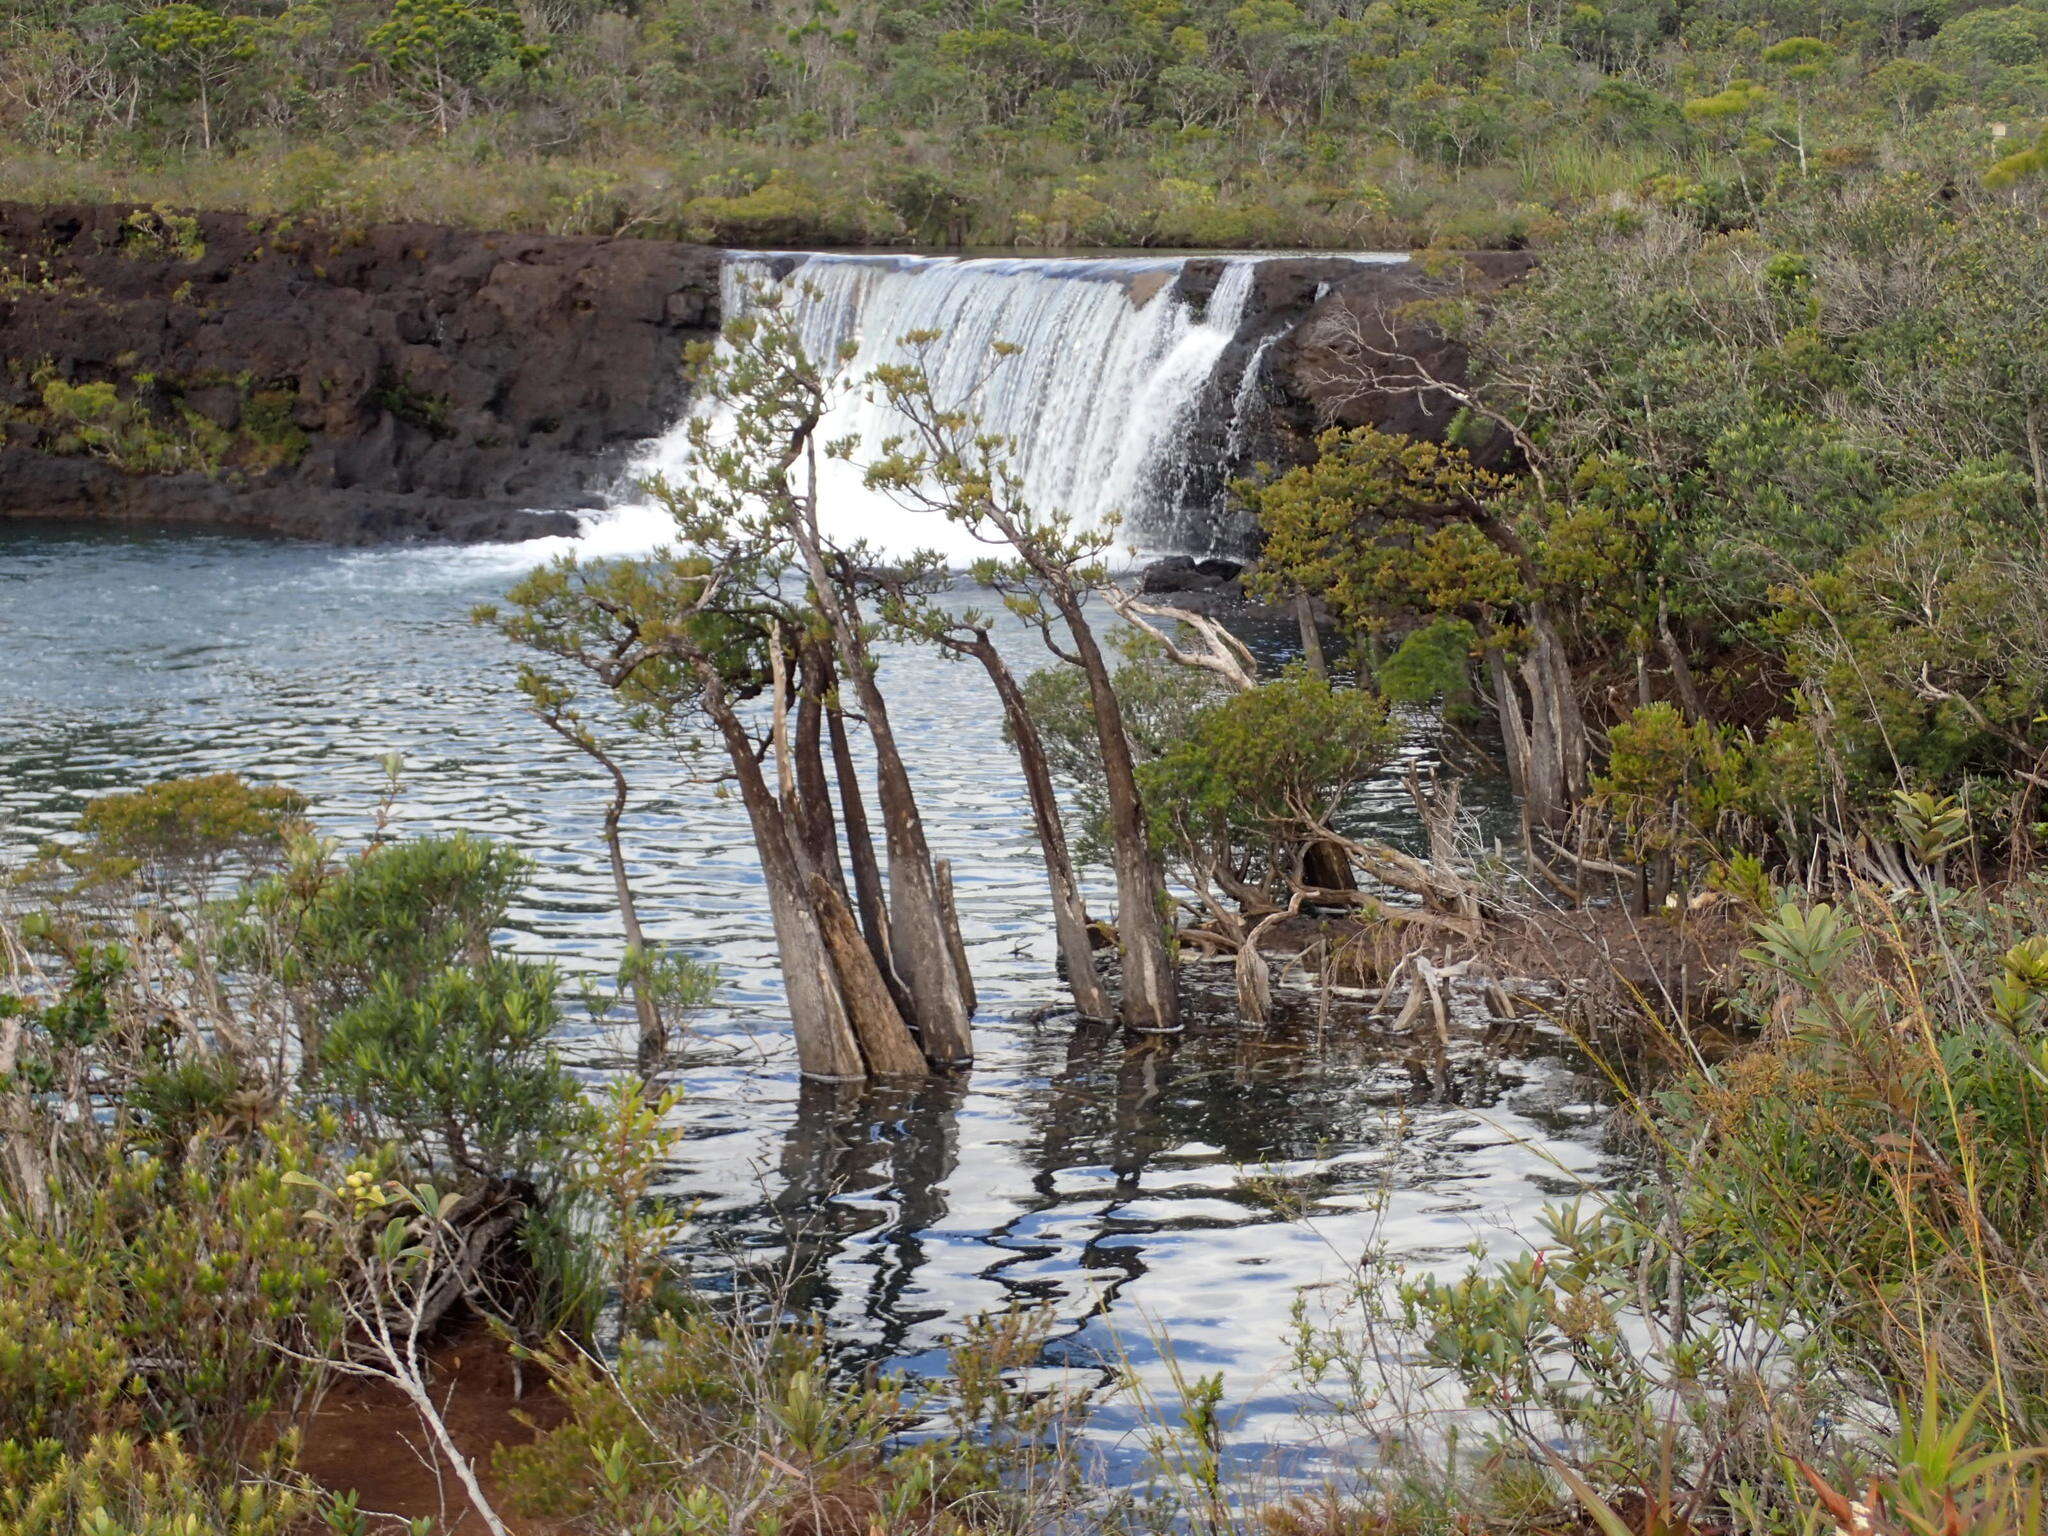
{"points": [[1130, 1186]]}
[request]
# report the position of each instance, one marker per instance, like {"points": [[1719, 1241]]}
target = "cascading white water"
{"points": [[1097, 398]]}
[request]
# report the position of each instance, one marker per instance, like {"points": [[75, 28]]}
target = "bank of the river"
{"points": [[352, 384]]}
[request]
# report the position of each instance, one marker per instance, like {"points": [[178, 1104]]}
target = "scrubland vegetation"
{"points": [[1270, 123], [1731, 565], [1749, 605]]}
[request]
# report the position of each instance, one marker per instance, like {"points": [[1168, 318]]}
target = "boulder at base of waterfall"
{"points": [[1184, 573]]}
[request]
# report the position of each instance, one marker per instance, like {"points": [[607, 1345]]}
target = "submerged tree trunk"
{"points": [[950, 911], [813, 793], [1151, 999], [1069, 910], [870, 1002], [646, 1011], [653, 1030], [860, 844], [885, 1040], [920, 944], [825, 1042]]}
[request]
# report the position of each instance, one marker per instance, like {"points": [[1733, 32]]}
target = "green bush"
{"points": [[150, 1292], [117, 1486], [458, 1071], [333, 929]]}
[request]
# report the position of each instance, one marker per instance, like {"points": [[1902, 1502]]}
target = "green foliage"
{"points": [[1206, 122], [457, 1069], [1826, 1283], [1266, 767], [1433, 662], [449, 53], [193, 827], [770, 1437], [395, 915], [124, 430], [160, 1293], [1381, 523], [143, 425], [2019, 165], [1160, 701], [161, 231], [117, 1486], [1672, 785]]}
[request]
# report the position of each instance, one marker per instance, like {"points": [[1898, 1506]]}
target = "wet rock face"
{"points": [[386, 383], [1325, 342], [1356, 358]]}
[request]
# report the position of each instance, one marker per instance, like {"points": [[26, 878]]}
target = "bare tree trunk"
{"points": [[1151, 1000], [27, 1168], [653, 1030], [920, 944], [2036, 459], [860, 845], [871, 1004], [825, 1043], [813, 793], [646, 1012], [1069, 911], [1311, 637], [950, 910], [1514, 729], [1689, 698]]}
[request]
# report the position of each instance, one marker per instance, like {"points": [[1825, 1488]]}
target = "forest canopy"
{"points": [[1056, 122]]}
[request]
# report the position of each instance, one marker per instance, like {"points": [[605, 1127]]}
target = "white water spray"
{"points": [[1097, 398]]}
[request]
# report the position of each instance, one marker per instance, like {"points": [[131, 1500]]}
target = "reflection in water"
{"points": [[1190, 1186]]}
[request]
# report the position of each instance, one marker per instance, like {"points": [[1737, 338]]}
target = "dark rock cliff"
{"points": [[393, 382], [1327, 341]]}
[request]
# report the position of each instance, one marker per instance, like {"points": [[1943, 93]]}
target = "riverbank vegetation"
{"points": [[1272, 123], [1729, 562]]}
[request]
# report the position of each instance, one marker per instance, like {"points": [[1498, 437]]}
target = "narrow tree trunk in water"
{"points": [[813, 794], [871, 1004], [860, 845], [646, 1012], [1151, 999], [1069, 911], [885, 1040], [920, 944], [825, 1044], [949, 909]]}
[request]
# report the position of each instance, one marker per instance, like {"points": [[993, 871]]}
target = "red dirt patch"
{"points": [[367, 1438]]}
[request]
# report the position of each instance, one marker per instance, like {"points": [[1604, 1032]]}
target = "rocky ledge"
{"points": [[358, 385], [1327, 341]]}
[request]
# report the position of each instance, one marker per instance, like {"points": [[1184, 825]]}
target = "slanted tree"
{"points": [[657, 983], [685, 638], [763, 477], [946, 464]]}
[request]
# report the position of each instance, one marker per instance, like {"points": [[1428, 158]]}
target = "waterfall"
{"points": [[1098, 399]]}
